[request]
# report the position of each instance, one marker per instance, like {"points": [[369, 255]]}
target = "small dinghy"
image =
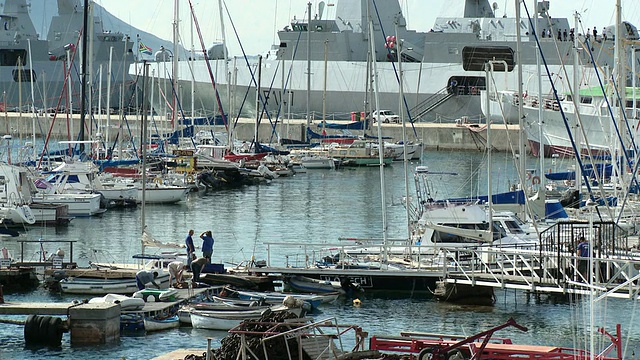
{"points": [[152, 323], [126, 303], [153, 295], [223, 320], [306, 284]]}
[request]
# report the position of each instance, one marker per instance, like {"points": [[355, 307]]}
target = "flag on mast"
{"points": [[144, 49]]}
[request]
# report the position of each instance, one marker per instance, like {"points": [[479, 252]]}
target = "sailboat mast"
{"points": [[380, 148], [309, 66], [489, 74], [576, 103], [143, 144], [89, 76], [521, 125], [33, 101], [227, 75], [176, 11], [405, 158], [324, 88], [83, 85], [108, 97], [621, 82], [539, 72], [255, 129]]}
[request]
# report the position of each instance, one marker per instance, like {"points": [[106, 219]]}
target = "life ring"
{"points": [[535, 180], [158, 180], [190, 178]]}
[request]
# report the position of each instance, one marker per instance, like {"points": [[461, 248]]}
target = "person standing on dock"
{"points": [[207, 245], [196, 268], [143, 277], [191, 249], [583, 252]]}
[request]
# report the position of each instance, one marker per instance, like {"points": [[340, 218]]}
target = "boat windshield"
{"points": [[513, 227]]}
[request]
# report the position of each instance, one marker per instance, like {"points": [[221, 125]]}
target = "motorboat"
{"points": [[311, 285], [159, 323], [223, 320]]}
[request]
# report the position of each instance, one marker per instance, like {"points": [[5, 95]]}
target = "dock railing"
{"points": [[347, 252]]}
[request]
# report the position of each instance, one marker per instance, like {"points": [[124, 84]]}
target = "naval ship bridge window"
{"points": [[13, 57], [586, 99], [23, 75], [299, 27], [475, 57]]}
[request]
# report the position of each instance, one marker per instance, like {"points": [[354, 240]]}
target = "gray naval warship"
{"points": [[29, 62], [443, 68]]}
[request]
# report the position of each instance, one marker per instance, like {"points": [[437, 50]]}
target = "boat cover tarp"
{"points": [[588, 171], [260, 148], [204, 120], [511, 197], [355, 125], [314, 135]]}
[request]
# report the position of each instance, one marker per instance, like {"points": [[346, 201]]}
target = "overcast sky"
{"points": [[257, 21]]}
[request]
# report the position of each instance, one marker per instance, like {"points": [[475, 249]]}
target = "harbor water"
{"points": [[318, 207]]}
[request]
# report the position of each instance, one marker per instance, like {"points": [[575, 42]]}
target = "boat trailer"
{"points": [[482, 346]]}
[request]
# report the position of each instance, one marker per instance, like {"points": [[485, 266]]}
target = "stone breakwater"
{"points": [[435, 136]]}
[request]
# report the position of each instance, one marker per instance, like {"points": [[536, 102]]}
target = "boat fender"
{"points": [[535, 180], [44, 330], [30, 329], [158, 180], [357, 302], [190, 178], [54, 331]]}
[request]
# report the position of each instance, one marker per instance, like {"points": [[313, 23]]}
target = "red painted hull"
{"points": [[246, 157]]}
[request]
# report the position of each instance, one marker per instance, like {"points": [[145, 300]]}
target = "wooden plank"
{"points": [[180, 354]]}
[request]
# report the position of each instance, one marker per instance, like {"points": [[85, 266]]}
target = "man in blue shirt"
{"points": [[583, 252], [191, 249], [207, 245]]}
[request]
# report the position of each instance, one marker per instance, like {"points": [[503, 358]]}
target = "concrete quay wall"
{"points": [[435, 136]]}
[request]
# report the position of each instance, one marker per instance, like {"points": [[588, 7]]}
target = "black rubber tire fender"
{"points": [[54, 332], [30, 328], [43, 329]]}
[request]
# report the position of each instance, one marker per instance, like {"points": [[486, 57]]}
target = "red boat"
{"points": [[482, 346], [246, 157]]}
